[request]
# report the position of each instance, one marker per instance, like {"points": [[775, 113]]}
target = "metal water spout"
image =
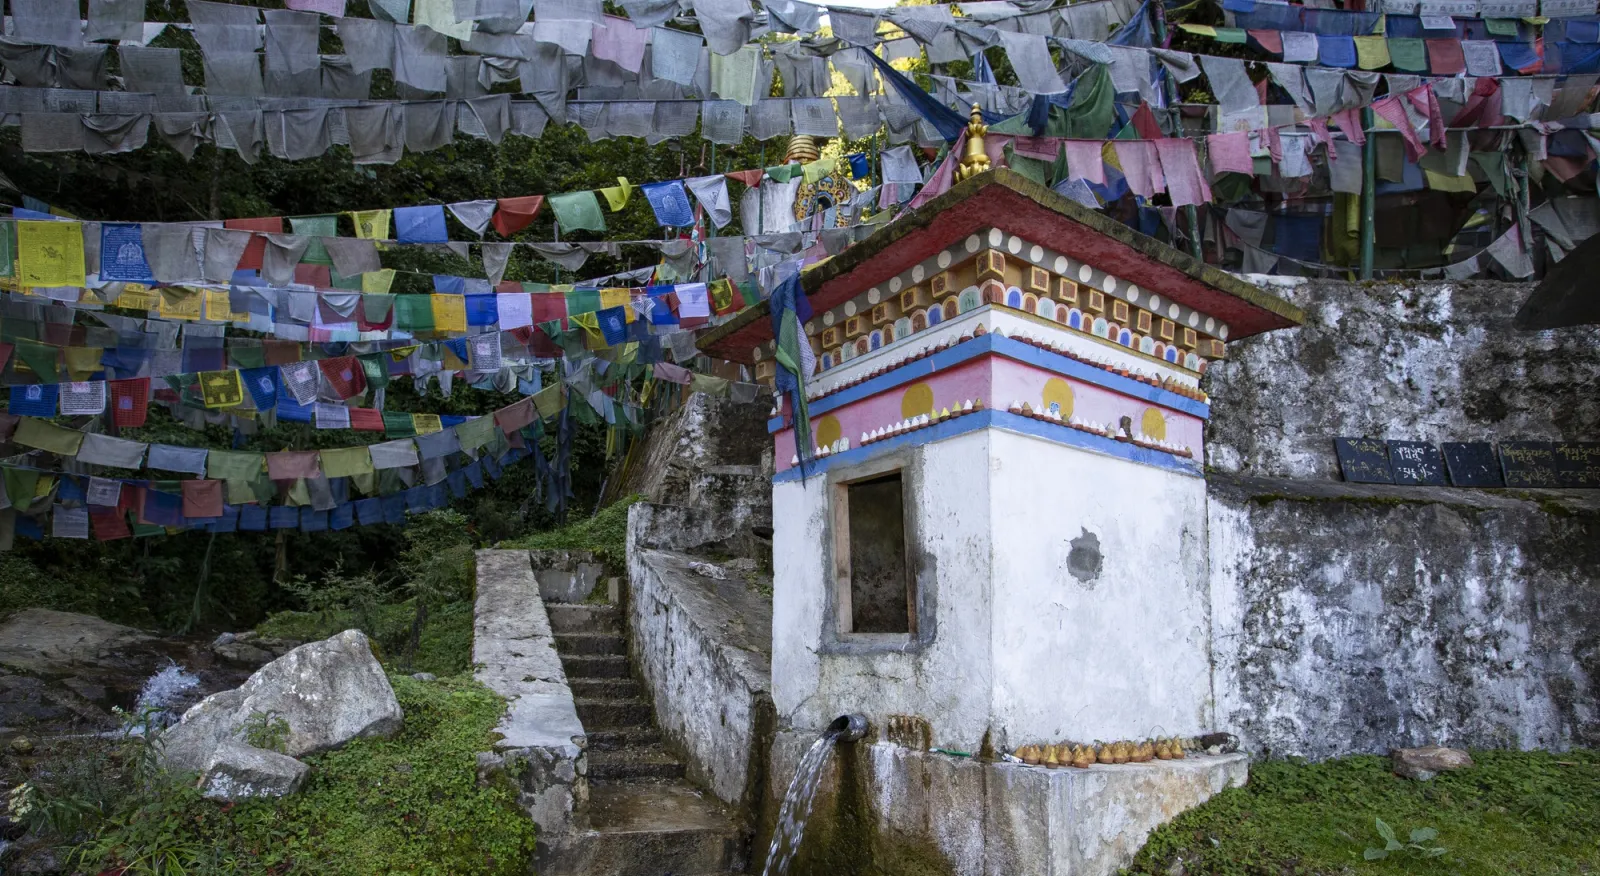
{"points": [[848, 728]]}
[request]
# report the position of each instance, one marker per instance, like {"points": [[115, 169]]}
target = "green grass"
{"points": [[443, 648], [1527, 813], [606, 534], [410, 804]]}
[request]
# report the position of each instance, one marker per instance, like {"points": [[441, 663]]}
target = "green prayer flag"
{"points": [[577, 211], [235, 465], [1501, 26], [389, 481], [145, 530], [376, 367], [347, 461], [1032, 168], [8, 249], [299, 494], [397, 425], [712, 386], [246, 353], [1092, 110], [476, 433], [1493, 165], [581, 301], [45, 435], [413, 313], [42, 359], [376, 306], [316, 227], [1408, 53], [340, 281], [1230, 35], [20, 484], [367, 484], [784, 172], [548, 401]]}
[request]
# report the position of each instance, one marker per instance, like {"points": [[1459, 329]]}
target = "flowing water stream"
{"points": [[797, 804]]}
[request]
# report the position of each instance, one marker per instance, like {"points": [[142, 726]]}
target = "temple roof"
{"points": [[1005, 200]]}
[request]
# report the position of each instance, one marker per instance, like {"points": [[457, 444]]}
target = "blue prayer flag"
{"points": [[858, 165], [252, 518], [343, 517], [122, 253], [262, 384], [420, 224], [483, 309], [369, 511], [670, 202], [283, 517], [613, 325], [35, 400], [448, 285], [312, 520]]}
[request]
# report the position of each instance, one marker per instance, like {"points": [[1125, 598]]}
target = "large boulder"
{"points": [[237, 771], [326, 693]]}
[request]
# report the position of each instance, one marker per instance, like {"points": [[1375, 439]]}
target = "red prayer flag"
{"points": [[1269, 40], [1144, 122], [130, 401], [514, 416], [344, 374], [366, 420], [514, 214], [280, 352], [110, 524], [320, 276], [202, 498], [751, 178], [292, 464], [257, 248]]}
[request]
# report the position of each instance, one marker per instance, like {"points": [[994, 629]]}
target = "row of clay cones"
{"points": [[1082, 756], [1169, 384], [910, 356], [970, 406], [1024, 409]]}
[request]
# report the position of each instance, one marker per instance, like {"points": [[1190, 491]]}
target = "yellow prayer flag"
{"points": [[449, 313], [617, 195], [610, 298], [426, 424], [219, 307], [221, 389], [372, 224], [1201, 29], [177, 302], [816, 170], [83, 361], [1372, 52], [377, 282], [136, 296], [1441, 183], [400, 354], [50, 253]]}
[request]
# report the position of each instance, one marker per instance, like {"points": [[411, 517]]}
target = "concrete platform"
{"points": [[646, 830], [991, 819]]}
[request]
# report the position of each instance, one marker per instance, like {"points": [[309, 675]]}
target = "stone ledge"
{"points": [[1265, 489], [542, 742], [1003, 819]]}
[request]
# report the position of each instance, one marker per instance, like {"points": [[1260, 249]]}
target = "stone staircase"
{"points": [[643, 818]]}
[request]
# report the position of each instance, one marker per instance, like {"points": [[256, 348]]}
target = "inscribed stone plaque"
{"points": [[1416, 463], [1364, 460], [1529, 464], [1578, 464], [1472, 464]]}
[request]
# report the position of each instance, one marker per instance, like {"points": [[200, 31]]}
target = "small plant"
{"points": [[1417, 847], [267, 731]]}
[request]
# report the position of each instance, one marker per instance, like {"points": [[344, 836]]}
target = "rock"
{"points": [[1428, 761], [328, 693], [251, 649], [224, 639], [424, 676], [22, 745], [237, 771], [709, 570], [48, 642], [741, 566], [566, 576]]}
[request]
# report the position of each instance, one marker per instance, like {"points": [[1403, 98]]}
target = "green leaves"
{"points": [[1392, 845]]}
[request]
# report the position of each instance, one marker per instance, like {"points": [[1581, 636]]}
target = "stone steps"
{"points": [[642, 818], [642, 829], [634, 762], [605, 688], [569, 618], [594, 666], [622, 737], [591, 643], [602, 714]]}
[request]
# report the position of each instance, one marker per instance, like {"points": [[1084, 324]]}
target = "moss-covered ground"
{"points": [[1526, 813], [606, 534]]}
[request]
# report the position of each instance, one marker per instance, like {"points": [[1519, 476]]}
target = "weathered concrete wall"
{"points": [[910, 811], [542, 741], [703, 648], [1101, 620], [1355, 618], [1435, 361]]}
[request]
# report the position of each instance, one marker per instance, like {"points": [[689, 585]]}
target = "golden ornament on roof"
{"points": [[974, 158], [802, 149]]}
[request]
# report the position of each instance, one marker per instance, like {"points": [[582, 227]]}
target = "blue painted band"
{"points": [[1011, 349], [999, 420]]}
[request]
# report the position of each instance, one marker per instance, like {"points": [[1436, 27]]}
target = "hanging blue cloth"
{"points": [[670, 202], [420, 224], [859, 168]]}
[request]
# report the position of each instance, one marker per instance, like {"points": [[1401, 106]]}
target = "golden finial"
{"points": [[974, 160], [802, 149]]}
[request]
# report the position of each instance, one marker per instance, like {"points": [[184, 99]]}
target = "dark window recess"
{"points": [[880, 588]]}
